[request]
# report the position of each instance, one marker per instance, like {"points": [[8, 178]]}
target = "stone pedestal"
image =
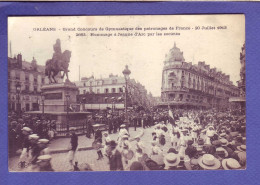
{"points": [[55, 107], [55, 99]]}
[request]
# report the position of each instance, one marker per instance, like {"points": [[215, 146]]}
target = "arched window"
{"points": [[189, 83], [194, 84], [172, 74], [182, 81]]}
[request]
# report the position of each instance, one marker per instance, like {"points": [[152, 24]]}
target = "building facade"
{"points": [[98, 94], [29, 77], [240, 101], [242, 81], [188, 85]]}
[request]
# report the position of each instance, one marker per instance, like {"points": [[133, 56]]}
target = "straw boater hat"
{"points": [[125, 136], [230, 164], [242, 148], [123, 126], [27, 129], [13, 122], [221, 152], [171, 159], [33, 137], [242, 158], [224, 142], [208, 161], [43, 141], [42, 158], [222, 135]]}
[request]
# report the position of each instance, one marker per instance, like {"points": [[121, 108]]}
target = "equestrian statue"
{"points": [[59, 62]]}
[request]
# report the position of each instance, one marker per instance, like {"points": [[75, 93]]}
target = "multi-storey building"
{"points": [[188, 85], [242, 81], [29, 77], [240, 102], [110, 92]]}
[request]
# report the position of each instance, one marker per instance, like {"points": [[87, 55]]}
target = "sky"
{"points": [[102, 55]]}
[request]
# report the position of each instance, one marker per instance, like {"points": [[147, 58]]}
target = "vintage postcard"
{"points": [[110, 93]]}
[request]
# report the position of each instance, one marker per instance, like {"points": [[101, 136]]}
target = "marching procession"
{"points": [[162, 139]]}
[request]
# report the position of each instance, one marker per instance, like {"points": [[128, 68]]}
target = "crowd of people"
{"points": [[177, 140], [44, 128]]}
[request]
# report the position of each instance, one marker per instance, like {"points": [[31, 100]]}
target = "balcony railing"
{"points": [[176, 88]]}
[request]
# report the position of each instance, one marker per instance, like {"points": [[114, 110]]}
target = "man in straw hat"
{"points": [[98, 140], [241, 155], [34, 151], [25, 145], [171, 160], [43, 146], [73, 147]]}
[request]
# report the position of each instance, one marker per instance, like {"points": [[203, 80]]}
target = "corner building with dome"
{"points": [[187, 85]]}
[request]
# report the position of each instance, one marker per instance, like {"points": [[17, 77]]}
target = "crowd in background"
{"points": [[180, 139], [44, 128]]}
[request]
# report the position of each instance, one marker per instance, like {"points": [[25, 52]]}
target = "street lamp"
{"points": [[112, 103], [67, 99], [106, 101], [43, 98], [126, 72], [18, 91]]}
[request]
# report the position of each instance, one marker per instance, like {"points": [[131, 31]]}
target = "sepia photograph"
{"points": [[125, 93]]}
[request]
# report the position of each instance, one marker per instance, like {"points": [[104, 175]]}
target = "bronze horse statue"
{"points": [[57, 64]]}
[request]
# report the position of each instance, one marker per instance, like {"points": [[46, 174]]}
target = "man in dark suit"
{"points": [[115, 158], [74, 146], [110, 125], [98, 139]]}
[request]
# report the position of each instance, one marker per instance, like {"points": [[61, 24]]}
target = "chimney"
{"points": [[19, 59]]}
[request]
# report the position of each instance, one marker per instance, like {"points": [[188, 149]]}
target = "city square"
{"points": [[196, 120]]}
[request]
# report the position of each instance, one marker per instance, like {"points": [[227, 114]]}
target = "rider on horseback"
{"points": [[59, 62]]}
